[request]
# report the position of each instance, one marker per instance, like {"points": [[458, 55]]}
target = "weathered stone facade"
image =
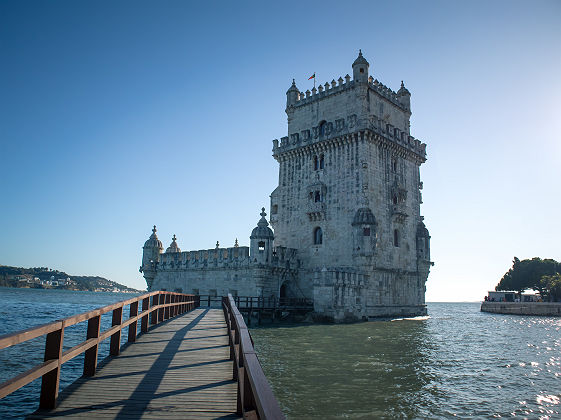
{"points": [[346, 213]]}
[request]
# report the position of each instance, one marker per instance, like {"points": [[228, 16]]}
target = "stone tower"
{"points": [[349, 198]]}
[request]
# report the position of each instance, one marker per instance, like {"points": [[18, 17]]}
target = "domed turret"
{"points": [[150, 257], [153, 241], [360, 69], [173, 246], [261, 241], [292, 94], [404, 97], [423, 241], [262, 231]]}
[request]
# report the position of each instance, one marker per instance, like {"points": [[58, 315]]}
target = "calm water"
{"points": [[459, 362]]}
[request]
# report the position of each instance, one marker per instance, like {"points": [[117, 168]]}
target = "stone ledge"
{"points": [[523, 308]]}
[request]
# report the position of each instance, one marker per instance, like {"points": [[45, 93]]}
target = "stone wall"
{"points": [[522, 308]]}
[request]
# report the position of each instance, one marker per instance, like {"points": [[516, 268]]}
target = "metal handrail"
{"points": [[255, 397], [162, 306]]}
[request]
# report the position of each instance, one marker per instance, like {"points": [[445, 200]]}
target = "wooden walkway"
{"points": [[180, 369]]}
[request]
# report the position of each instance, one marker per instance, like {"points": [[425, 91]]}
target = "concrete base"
{"points": [[522, 308]]}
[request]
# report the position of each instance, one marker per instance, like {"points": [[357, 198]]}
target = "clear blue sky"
{"points": [[115, 116]]}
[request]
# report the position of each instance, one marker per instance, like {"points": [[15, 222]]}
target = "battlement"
{"points": [[339, 86], [234, 257], [346, 125]]}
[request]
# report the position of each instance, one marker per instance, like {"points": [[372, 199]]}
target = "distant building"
{"points": [[348, 232]]}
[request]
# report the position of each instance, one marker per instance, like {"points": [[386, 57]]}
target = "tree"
{"points": [[552, 286], [527, 274]]}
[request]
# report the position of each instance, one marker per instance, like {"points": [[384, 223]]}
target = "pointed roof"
{"points": [[293, 87], [262, 231], [173, 246], [403, 90], [360, 59], [153, 241]]}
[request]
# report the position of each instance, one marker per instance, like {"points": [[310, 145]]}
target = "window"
{"points": [[275, 209], [321, 161], [317, 197], [395, 238], [394, 199], [261, 246], [322, 126], [316, 163], [394, 165], [361, 70], [366, 231], [318, 236]]}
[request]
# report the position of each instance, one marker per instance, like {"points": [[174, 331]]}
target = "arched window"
{"points": [[322, 126], [318, 236], [394, 165], [317, 197], [366, 231], [261, 246], [395, 238], [316, 163], [394, 199], [321, 161]]}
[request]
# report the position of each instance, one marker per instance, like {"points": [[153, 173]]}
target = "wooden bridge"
{"points": [[186, 362]]}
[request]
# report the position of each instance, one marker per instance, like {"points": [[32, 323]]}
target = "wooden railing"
{"points": [[159, 306], [255, 397], [243, 302]]}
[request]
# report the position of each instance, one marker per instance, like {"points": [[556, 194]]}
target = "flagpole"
{"points": [[314, 79]]}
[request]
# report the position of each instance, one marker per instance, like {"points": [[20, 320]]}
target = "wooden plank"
{"points": [[180, 369]]}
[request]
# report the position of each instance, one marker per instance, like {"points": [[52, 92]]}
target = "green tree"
{"points": [[552, 287], [527, 274]]}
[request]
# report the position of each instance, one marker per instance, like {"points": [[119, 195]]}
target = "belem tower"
{"points": [[348, 232]]}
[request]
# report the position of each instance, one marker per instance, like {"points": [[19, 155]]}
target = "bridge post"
{"points": [[161, 311], [167, 309], [50, 381], [144, 322], [154, 314], [133, 327], [90, 356], [116, 336]]}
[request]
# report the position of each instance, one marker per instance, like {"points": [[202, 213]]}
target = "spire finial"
{"points": [[217, 244], [263, 214], [293, 82], [402, 85], [236, 244], [154, 229], [360, 52], [174, 238]]}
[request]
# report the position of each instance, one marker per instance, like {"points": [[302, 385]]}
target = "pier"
{"points": [[179, 360]]}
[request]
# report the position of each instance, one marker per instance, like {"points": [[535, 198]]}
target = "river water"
{"points": [[458, 362]]}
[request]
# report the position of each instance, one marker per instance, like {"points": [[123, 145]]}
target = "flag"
{"points": [[313, 76]]}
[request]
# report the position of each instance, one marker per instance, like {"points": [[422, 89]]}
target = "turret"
{"points": [[423, 241], [360, 69], [404, 97], [261, 241], [292, 94], [173, 247], [150, 257]]}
